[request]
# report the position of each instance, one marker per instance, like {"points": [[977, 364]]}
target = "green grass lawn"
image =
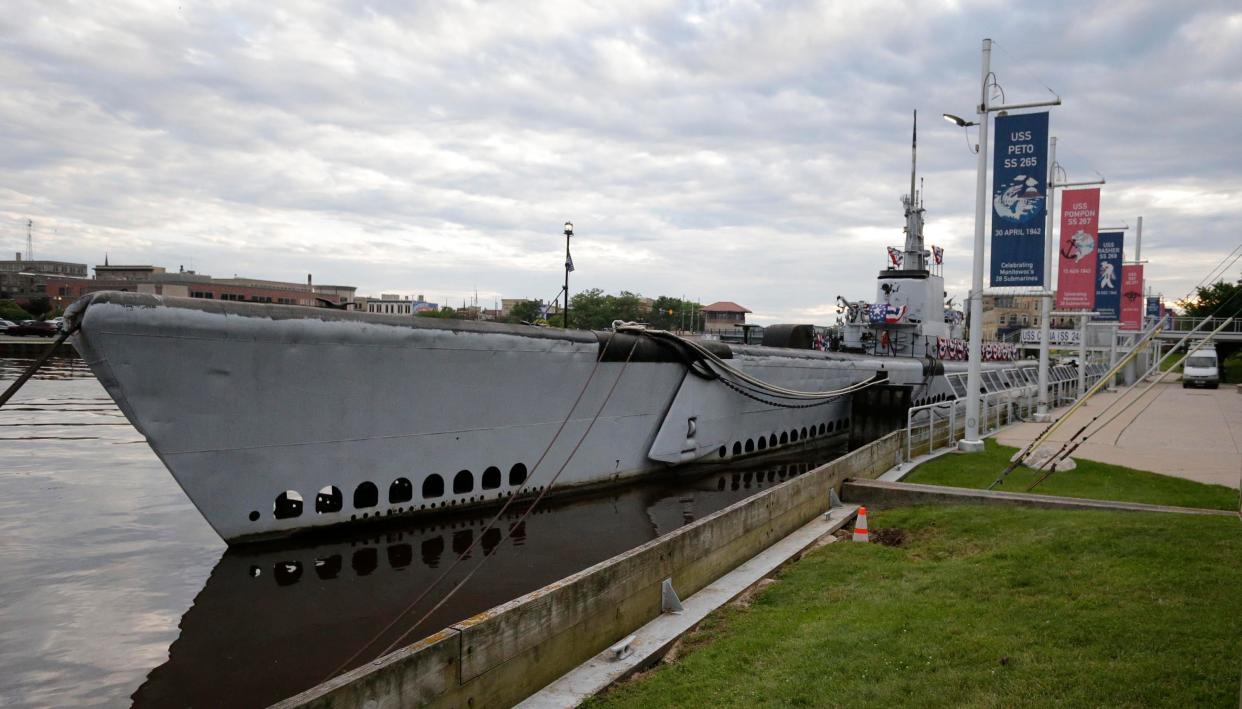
{"points": [[981, 607], [1098, 481]]}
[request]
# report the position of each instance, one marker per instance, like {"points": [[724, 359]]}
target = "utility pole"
{"points": [[569, 266]]}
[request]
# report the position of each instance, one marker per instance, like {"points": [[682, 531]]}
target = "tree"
{"points": [[38, 307], [526, 311], [589, 310], [1222, 296], [10, 310], [1222, 300], [445, 312]]}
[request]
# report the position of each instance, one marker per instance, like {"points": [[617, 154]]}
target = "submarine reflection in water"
{"points": [[273, 621]]}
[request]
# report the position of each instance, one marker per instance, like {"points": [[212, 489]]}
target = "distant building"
{"points": [[68, 282], [723, 317], [393, 304], [1005, 315], [48, 268]]}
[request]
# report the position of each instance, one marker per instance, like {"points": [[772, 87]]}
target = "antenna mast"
{"points": [[29, 239], [915, 259]]}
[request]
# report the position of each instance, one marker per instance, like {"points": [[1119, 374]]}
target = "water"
{"points": [[116, 591]]}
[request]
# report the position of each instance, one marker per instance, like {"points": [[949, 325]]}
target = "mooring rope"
{"points": [[499, 514], [43, 358]]}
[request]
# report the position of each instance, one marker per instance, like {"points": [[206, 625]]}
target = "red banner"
{"points": [[1132, 297], [1080, 223]]}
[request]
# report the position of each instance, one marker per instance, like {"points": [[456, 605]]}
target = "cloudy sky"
{"points": [[718, 150]]}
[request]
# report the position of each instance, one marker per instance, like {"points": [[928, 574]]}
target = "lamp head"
{"points": [[958, 120], [569, 228]]}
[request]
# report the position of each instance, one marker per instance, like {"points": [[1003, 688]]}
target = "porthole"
{"points": [[329, 499], [772, 440], [400, 491], [750, 446], [822, 429], [517, 474], [463, 482], [288, 504], [784, 438], [723, 451], [366, 495], [491, 478], [433, 486], [737, 448], [763, 443]]}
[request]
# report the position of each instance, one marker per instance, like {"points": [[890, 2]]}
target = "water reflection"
{"points": [[275, 620], [103, 555]]}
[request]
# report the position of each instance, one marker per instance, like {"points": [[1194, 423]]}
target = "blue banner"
{"points": [[1108, 275], [1153, 306], [1019, 199]]}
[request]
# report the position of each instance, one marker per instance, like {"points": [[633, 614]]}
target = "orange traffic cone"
{"points": [[860, 526]]}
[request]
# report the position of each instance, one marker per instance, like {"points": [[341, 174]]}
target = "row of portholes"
{"points": [[365, 560], [935, 399], [792, 436], [289, 503]]}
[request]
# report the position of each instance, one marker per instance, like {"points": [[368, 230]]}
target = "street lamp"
{"points": [[961, 122], [569, 266], [972, 441]]}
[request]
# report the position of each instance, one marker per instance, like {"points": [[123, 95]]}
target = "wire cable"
{"points": [[491, 524]]}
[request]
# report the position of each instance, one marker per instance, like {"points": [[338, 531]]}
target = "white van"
{"points": [[1199, 368]]}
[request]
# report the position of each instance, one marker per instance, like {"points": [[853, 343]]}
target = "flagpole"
{"points": [[569, 231]]}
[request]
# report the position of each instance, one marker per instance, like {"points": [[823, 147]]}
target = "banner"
{"points": [[1153, 306], [1019, 206], [1080, 218], [1108, 276], [1132, 296], [956, 349]]}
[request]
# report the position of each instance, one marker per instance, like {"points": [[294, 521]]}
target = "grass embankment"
{"points": [[981, 606], [1097, 481]]}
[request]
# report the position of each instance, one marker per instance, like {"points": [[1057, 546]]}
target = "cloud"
{"points": [[718, 150]]}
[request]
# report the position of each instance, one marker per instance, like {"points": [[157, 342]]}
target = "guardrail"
{"points": [[931, 427], [1181, 325]]}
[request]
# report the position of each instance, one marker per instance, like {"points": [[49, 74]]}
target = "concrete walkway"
{"points": [[1189, 433]]}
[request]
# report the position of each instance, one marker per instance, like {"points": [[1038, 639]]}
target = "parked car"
{"points": [[37, 328], [5, 325], [1201, 368]]}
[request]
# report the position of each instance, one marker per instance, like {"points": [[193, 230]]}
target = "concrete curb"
{"points": [[899, 494], [653, 640]]}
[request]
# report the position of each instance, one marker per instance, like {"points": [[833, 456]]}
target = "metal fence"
{"points": [[1011, 396]]}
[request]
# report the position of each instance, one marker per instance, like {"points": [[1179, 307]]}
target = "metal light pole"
{"points": [[1045, 301], [972, 441], [569, 266]]}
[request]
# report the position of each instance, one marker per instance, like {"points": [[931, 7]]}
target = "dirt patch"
{"points": [[889, 536], [744, 599]]}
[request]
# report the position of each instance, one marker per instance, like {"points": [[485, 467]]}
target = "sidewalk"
{"points": [[1189, 433]]}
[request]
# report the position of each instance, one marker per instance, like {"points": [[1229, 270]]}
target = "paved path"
{"points": [[1190, 433]]}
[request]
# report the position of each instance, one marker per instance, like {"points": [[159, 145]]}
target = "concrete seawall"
{"points": [[501, 656]]}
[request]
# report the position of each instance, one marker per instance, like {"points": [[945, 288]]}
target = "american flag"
{"points": [[895, 256], [937, 255], [569, 262]]}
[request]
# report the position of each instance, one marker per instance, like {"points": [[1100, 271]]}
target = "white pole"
{"points": [[1082, 355], [972, 441], [1112, 352], [1138, 240], [1045, 301]]}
